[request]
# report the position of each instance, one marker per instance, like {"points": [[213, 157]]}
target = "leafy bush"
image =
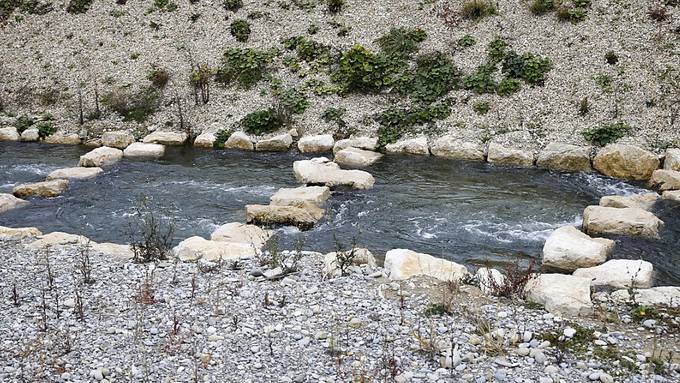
{"points": [[133, 106], [606, 134], [334, 115], [240, 29], [221, 137], [232, 5], [335, 6], [496, 50], [165, 5], [541, 7], [396, 122], [45, 129], [23, 123], [433, 77], [159, 77], [528, 67], [308, 50], [361, 70], [263, 121], [481, 107], [478, 9], [400, 43], [246, 67], [508, 86], [572, 14], [293, 101], [467, 41], [78, 6], [482, 80]]}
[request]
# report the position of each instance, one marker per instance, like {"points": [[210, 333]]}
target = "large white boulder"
{"points": [[565, 158], [626, 161], [365, 143], [30, 135], [302, 195], [561, 294], [655, 296], [356, 158], [619, 273], [118, 139], [77, 173], [303, 216], [57, 239], [665, 180], [672, 161], [205, 140], [240, 141], [142, 150], [333, 263], [112, 250], [455, 148], [280, 143], [16, 234], [241, 233], [9, 133], [195, 248], [316, 144], [568, 249], [99, 157], [503, 155], [403, 264], [47, 189], [9, 202], [320, 171], [621, 221], [166, 138], [644, 201], [671, 195], [61, 138], [417, 145]]}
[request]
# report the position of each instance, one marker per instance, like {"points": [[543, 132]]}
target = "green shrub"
{"points": [[606, 134], [535, 69], [308, 50], [159, 77], [572, 14], [262, 121], [133, 106], [478, 9], [293, 101], [605, 82], [221, 137], [400, 43], [541, 7], [481, 107], [45, 129], [396, 122], [508, 86], [240, 29], [334, 115], [360, 70], [165, 5], [246, 67], [433, 77], [33, 7], [496, 50], [583, 106], [335, 6], [482, 80], [467, 41], [611, 58], [23, 123], [232, 5], [78, 6]]}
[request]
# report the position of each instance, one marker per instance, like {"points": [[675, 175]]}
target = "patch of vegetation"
{"points": [[335, 6], [308, 50], [606, 134], [578, 344], [361, 70], [313, 29], [611, 58], [433, 76], [23, 123], [529, 67], [541, 7], [221, 137], [245, 67], [165, 5], [159, 77], [496, 50], [482, 80], [149, 233], [263, 121], [583, 106], [436, 309], [45, 129], [467, 41], [604, 81], [135, 107], [78, 6], [400, 43], [641, 313], [478, 9], [481, 107], [240, 29], [396, 122], [508, 86], [232, 5], [292, 100], [334, 115]]}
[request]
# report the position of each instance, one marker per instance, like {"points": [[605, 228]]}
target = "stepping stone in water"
{"points": [[47, 189], [77, 173]]}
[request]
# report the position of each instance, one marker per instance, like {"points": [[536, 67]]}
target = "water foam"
{"points": [[504, 232]]}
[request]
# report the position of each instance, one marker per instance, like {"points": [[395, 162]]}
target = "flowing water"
{"points": [[470, 212]]}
